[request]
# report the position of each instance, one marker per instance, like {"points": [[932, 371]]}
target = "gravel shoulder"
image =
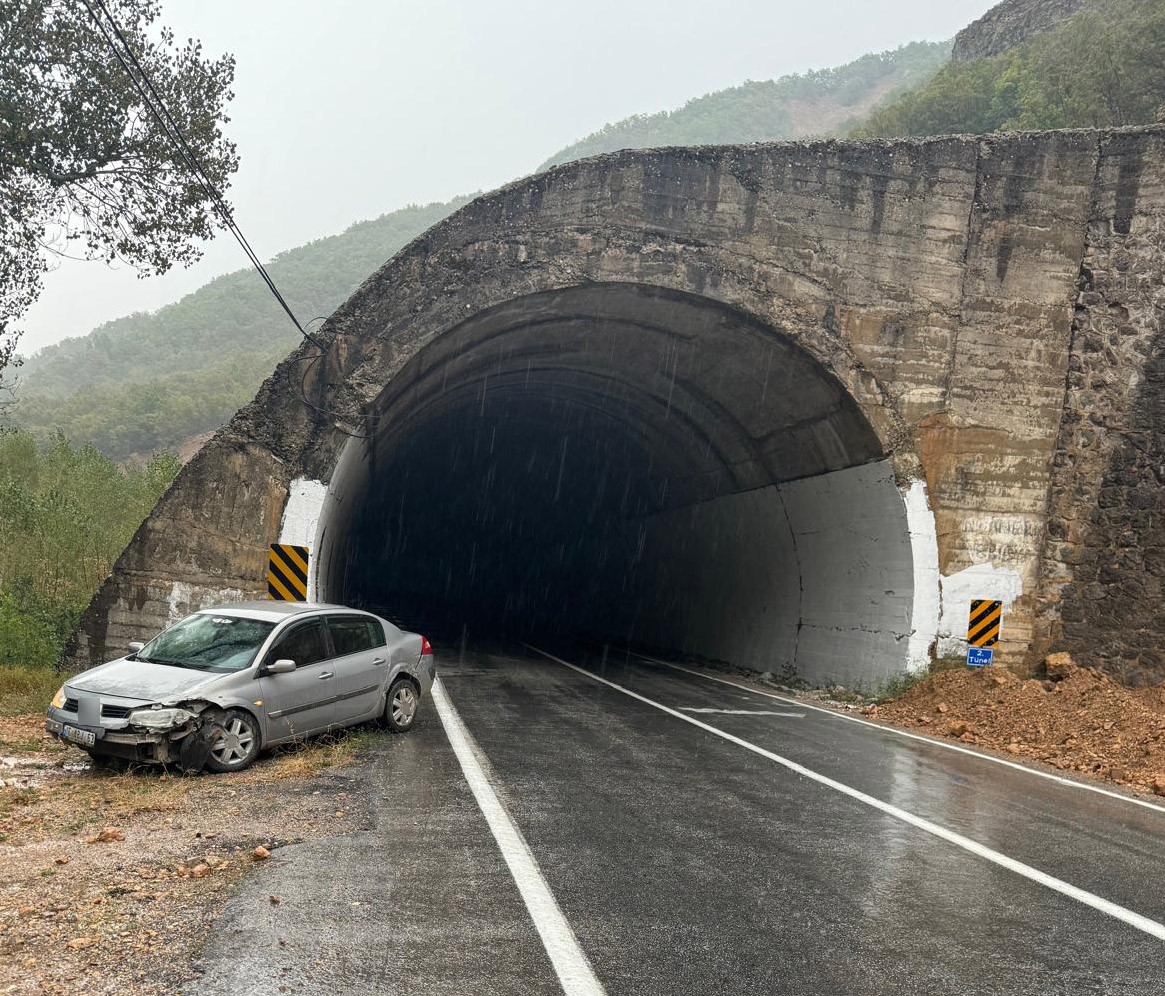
{"points": [[109, 882]]}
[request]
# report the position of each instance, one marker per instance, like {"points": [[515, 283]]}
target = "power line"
{"points": [[157, 106]]}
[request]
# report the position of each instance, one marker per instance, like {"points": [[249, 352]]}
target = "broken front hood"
{"points": [[139, 680]]}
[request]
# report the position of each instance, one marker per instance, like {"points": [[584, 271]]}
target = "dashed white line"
{"points": [[958, 749], [1117, 912], [570, 962]]}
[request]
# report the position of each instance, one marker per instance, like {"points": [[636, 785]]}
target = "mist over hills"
{"points": [[149, 381], [815, 103]]}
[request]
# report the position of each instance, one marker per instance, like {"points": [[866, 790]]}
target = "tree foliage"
{"points": [[772, 110], [66, 513], [148, 381], [84, 166], [1101, 68]]}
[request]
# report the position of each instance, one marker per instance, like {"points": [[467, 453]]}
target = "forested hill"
{"points": [[150, 380], [1103, 67], [813, 103]]}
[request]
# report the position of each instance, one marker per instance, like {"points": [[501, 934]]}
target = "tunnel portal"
{"points": [[792, 407], [628, 463]]}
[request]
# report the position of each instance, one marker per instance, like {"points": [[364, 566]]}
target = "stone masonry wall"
{"points": [[1103, 584]]}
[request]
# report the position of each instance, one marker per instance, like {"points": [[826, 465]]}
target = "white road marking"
{"points": [[1142, 923], [745, 712], [569, 960], [1059, 779]]}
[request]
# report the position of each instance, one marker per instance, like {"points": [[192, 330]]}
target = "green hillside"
{"points": [[812, 103], [150, 380], [1101, 68]]}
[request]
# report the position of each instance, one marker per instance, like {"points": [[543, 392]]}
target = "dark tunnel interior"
{"points": [[624, 463]]}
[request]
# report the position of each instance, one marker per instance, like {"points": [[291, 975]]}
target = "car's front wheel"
{"points": [[237, 744], [401, 708]]}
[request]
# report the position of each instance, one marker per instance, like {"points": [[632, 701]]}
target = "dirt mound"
{"points": [[1083, 722]]}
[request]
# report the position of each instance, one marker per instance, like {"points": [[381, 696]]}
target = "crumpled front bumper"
{"points": [[135, 745]]}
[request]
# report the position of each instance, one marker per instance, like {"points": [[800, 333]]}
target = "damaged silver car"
{"points": [[223, 684]]}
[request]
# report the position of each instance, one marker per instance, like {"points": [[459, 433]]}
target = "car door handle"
{"points": [[377, 661], [324, 675]]}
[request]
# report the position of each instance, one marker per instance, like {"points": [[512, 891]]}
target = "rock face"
{"points": [[969, 328], [1012, 23], [1105, 560]]}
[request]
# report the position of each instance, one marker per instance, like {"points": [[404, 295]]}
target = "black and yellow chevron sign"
{"points": [[985, 622], [287, 573]]}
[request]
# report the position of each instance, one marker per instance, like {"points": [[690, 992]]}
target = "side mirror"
{"points": [[136, 647], [280, 667]]}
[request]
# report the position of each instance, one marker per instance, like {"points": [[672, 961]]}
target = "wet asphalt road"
{"points": [[685, 863]]}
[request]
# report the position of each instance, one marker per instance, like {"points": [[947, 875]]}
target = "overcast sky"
{"points": [[347, 109]]}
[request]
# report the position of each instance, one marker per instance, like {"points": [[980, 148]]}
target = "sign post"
{"points": [[983, 626]]}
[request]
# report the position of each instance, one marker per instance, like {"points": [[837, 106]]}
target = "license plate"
{"points": [[83, 737]]}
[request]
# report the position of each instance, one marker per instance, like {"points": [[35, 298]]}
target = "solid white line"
{"points": [[1143, 923], [744, 712], [569, 960], [1059, 779]]}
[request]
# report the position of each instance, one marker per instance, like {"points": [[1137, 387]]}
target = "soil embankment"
{"points": [[1077, 719]]}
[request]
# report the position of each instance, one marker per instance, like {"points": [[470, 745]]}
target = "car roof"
{"points": [[274, 611]]}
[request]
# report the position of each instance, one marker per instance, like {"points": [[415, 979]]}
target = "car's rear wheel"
{"points": [[237, 745], [401, 708]]}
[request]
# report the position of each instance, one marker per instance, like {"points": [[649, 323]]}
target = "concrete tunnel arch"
{"points": [[629, 462], [903, 287]]}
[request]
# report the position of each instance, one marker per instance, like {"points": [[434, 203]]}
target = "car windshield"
{"points": [[208, 642]]}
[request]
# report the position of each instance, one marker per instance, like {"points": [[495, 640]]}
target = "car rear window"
{"points": [[354, 634]]}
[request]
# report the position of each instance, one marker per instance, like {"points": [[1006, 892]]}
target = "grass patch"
{"points": [[27, 689], [899, 685], [14, 798], [302, 759]]}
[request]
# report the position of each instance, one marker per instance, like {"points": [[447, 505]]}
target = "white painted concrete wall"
{"points": [[924, 617], [301, 519], [857, 575], [721, 579], [960, 589], [817, 576]]}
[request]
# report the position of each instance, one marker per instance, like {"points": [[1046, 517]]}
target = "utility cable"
{"points": [[157, 107]]}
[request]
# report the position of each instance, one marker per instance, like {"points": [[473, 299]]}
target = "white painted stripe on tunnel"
{"points": [[569, 960], [1117, 912], [744, 712], [957, 748]]}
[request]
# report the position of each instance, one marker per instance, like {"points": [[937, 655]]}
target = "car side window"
{"points": [[305, 643], [354, 634]]}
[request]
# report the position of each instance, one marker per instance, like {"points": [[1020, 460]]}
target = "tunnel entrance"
{"points": [[635, 464]]}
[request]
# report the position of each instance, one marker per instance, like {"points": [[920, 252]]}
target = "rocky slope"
{"points": [[1010, 24]]}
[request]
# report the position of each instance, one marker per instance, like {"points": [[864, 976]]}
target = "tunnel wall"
{"points": [[944, 283], [832, 556]]}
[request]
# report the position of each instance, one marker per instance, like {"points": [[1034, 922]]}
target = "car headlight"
{"points": [[59, 699], [160, 718]]}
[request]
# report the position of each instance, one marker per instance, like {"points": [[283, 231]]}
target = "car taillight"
{"points": [[426, 647]]}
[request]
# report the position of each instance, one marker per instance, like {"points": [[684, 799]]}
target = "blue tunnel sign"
{"points": [[979, 656]]}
